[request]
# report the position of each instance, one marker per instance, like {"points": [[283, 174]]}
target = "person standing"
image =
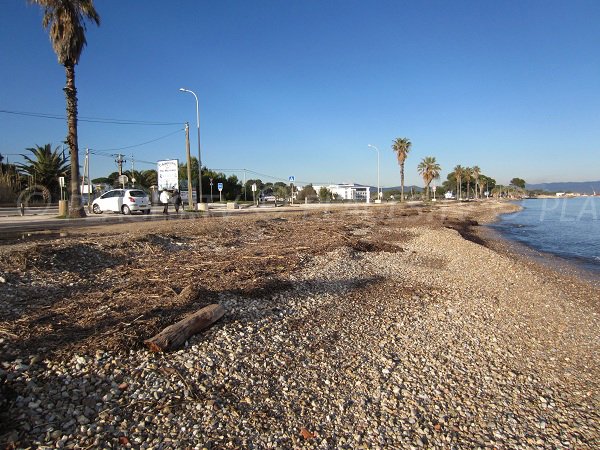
{"points": [[164, 199], [177, 200]]}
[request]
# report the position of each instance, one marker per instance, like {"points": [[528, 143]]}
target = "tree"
{"points": [[476, 173], [325, 194], [468, 173], [518, 182], [458, 174], [45, 166], [402, 147], [307, 192], [65, 22], [430, 170], [282, 190]]}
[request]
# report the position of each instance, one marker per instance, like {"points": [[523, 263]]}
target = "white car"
{"points": [[123, 201]]}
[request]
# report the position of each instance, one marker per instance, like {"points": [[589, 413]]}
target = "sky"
{"points": [[301, 87]]}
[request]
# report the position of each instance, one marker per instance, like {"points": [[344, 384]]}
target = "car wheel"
{"points": [[126, 210], [97, 209], [147, 211]]}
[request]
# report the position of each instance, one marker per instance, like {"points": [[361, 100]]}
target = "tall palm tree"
{"points": [[458, 173], [476, 173], [402, 147], [65, 22], [429, 169], [468, 173], [45, 166]]}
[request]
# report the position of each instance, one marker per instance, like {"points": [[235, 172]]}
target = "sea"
{"points": [[568, 228]]}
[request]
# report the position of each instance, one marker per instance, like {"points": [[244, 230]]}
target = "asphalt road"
{"points": [[14, 227]]}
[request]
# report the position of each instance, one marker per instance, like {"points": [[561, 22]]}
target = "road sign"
{"points": [[292, 178], [434, 188], [254, 187], [220, 186], [61, 182]]}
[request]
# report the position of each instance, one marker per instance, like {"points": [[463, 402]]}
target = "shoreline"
{"points": [[381, 328], [529, 254]]}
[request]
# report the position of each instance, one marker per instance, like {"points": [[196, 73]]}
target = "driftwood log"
{"points": [[174, 336]]}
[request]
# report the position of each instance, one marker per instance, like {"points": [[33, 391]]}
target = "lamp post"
{"points": [[378, 190], [199, 158]]}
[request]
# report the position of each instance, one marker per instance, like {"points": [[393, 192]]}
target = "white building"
{"points": [[350, 191]]}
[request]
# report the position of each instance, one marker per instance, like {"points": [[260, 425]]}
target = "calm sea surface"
{"points": [[566, 227]]}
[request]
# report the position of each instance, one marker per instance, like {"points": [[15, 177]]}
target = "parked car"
{"points": [[123, 201]]}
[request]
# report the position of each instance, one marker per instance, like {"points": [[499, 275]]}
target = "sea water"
{"points": [[566, 227]]}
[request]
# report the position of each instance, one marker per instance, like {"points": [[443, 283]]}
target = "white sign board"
{"points": [[168, 174], [220, 186], [254, 187]]}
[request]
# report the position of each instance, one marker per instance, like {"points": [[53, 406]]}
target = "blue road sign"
{"points": [[220, 186], [292, 178]]}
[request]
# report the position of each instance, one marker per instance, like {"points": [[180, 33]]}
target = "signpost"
{"points": [[168, 174], [254, 194], [61, 183], [292, 178], [434, 188], [123, 179], [220, 188], [211, 185]]}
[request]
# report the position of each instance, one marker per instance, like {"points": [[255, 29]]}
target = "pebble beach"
{"points": [[431, 341]]}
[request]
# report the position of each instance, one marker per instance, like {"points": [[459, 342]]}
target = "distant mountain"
{"points": [[582, 187]]}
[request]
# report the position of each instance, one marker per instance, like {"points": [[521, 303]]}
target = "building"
{"points": [[349, 191]]}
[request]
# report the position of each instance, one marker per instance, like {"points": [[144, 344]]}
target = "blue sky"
{"points": [[302, 87]]}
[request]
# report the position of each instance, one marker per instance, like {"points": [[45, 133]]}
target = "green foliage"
{"points": [[518, 182], [307, 192], [325, 195], [430, 170], [44, 168]]}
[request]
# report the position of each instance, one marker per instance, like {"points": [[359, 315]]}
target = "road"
{"points": [[14, 226]]}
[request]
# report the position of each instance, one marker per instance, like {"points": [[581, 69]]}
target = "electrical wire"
{"points": [[140, 144], [89, 119]]}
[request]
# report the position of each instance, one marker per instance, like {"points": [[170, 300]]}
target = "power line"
{"points": [[89, 119], [140, 144]]}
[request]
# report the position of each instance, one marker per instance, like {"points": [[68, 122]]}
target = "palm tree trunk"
{"points": [[401, 182], [75, 206]]}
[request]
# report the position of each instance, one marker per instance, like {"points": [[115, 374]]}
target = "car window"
{"points": [[137, 193]]}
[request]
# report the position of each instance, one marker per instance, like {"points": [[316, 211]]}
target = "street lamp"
{"points": [[378, 191], [199, 158]]}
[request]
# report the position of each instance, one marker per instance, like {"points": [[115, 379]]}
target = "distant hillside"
{"points": [[582, 187], [406, 188]]}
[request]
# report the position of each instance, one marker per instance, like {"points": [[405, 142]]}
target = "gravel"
{"points": [[437, 342]]}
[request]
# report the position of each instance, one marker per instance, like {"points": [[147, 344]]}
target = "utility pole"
{"points": [[132, 173], [189, 166], [87, 157], [85, 168], [245, 199], [120, 162]]}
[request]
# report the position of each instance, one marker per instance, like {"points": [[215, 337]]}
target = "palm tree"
{"points": [[65, 21], [402, 147], [468, 173], [429, 169], [45, 166], [476, 173], [458, 173]]}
